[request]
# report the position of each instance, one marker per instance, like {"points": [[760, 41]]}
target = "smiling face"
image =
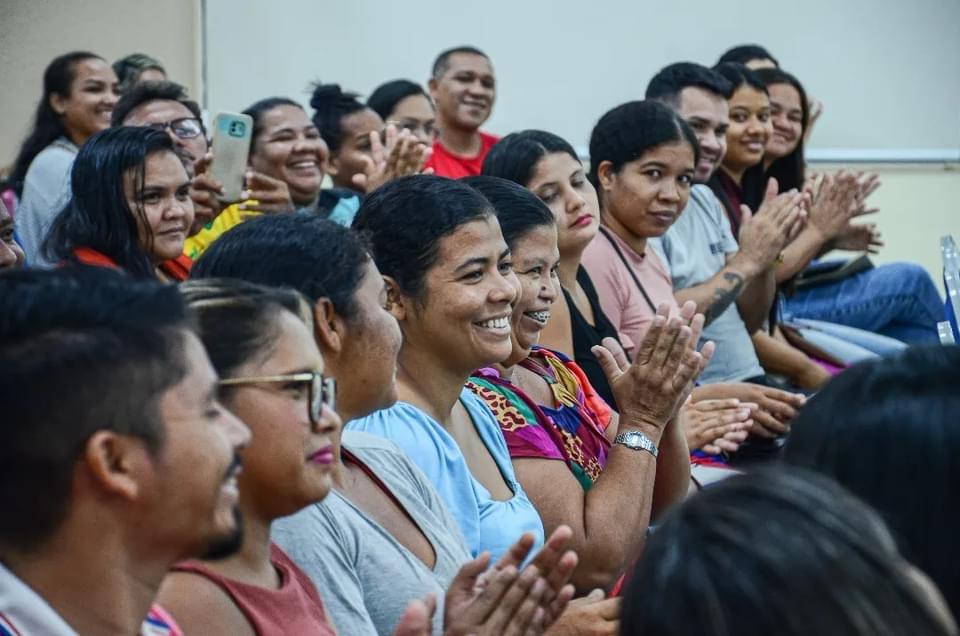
{"points": [[289, 462], [786, 115], [560, 181], [354, 153], [709, 116], [162, 208], [194, 498], [465, 93], [750, 128], [536, 262], [462, 318], [645, 197], [87, 108], [287, 146]]}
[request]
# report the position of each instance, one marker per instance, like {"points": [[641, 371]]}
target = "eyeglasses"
{"points": [[321, 391], [184, 128]]}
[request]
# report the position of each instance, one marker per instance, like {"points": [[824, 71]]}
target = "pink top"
{"points": [[621, 299], [294, 608]]}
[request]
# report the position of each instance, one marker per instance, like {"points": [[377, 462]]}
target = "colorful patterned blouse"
{"points": [[572, 433]]}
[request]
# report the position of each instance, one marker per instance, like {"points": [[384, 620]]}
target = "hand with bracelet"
{"points": [[651, 390]]}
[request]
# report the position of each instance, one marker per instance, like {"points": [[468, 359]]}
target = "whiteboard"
{"points": [[887, 71]]}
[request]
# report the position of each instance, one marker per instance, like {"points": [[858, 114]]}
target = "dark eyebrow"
{"points": [[479, 260], [287, 129], [482, 260], [654, 164]]}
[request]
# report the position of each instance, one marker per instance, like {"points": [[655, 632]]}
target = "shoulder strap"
{"points": [[633, 275]]}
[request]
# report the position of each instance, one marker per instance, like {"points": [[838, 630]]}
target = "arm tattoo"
{"points": [[723, 296]]}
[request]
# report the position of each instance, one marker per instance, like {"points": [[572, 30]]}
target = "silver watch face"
{"points": [[637, 440]]}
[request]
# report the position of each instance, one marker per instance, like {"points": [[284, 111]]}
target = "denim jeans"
{"points": [[898, 300]]}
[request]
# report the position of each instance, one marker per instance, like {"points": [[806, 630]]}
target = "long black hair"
{"points": [[788, 171], [47, 124], [97, 215], [787, 552], [887, 429], [753, 184], [516, 156], [386, 96]]}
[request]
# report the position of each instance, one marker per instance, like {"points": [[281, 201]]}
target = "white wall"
{"points": [[888, 71]]}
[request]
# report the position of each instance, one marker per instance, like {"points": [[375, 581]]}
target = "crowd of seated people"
{"points": [[422, 379]]}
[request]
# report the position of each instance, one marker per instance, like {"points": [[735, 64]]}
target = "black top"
{"points": [[586, 336]]}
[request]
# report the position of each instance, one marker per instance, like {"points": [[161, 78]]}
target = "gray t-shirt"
{"points": [[364, 576], [46, 191], [695, 249]]}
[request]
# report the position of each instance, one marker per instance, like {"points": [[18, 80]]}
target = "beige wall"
{"points": [[33, 32], [918, 205]]}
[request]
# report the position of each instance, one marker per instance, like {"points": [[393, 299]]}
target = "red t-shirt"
{"points": [[447, 164]]}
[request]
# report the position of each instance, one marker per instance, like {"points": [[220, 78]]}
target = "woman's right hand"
{"points": [[593, 614], [714, 426], [651, 389]]}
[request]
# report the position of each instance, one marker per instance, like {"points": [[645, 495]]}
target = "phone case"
{"points": [[231, 146]]}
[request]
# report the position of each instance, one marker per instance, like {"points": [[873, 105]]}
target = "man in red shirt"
{"points": [[464, 88]]}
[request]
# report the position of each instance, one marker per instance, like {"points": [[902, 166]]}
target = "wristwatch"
{"points": [[635, 440]]}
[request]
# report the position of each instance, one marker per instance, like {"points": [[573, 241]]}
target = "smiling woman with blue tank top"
{"points": [[450, 286]]}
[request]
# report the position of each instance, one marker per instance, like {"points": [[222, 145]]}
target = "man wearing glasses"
{"points": [[165, 106]]}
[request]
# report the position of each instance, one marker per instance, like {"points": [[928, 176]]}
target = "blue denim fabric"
{"points": [[898, 300]]}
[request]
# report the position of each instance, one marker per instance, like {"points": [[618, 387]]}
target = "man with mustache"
{"points": [[117, 460], [463, 87]]}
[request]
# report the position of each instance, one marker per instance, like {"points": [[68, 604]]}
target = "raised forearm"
{"points": [[716, 294], [756, 299], [673, 469], [800, 252]]}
